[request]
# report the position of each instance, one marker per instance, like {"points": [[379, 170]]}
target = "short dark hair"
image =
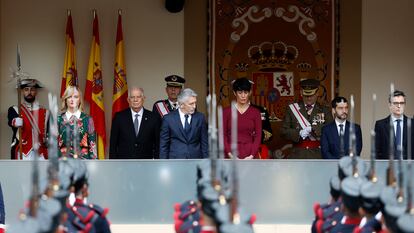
{"points": [[242, 84], [337, 100], [395, 94]]}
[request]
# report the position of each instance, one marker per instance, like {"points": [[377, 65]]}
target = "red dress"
{"points": [[249, 131]]}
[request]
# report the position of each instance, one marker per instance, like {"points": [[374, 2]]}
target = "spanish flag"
{"points": [[94, 89], [70, 74], [120, 88]]}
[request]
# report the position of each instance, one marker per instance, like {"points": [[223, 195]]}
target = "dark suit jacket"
{"points": [[330, 140], [175, 144], [124, 144], [382, 138]]}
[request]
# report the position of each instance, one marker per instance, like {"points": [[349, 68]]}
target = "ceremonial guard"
{"points": [[304, 120], [29, 121], [174, 85], [84, 217]]}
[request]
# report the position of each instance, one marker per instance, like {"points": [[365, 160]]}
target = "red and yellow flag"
{"points": [[120, 88], [94, 90], [70, 74]]}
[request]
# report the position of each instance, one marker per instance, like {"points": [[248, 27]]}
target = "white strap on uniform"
{"points": [[162, 108], [303, 122]]}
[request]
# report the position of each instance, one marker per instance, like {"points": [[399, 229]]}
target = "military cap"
{"points": [[391, 214], [345, 167], [335, 187], [370, 197], [309, 86], [388, 196], [30, 82], [239, 228], [175, 81], [405, 223], [350, 188]]}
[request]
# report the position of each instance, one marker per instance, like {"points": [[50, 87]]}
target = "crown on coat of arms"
{"points": [[304, 69], [273, 56]]}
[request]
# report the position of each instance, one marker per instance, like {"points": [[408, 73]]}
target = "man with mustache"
{"points": [[336, 133], [33, 121]]}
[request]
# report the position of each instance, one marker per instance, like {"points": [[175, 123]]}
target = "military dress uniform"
{"points": [[35, 122], [299, 117], [163, 107], [306, 148]]}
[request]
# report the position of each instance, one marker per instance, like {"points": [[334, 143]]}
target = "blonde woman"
{"points": [[77, 136]]}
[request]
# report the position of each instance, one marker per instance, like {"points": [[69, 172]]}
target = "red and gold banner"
{"points": [[70, 74], [94, 89], [275, 44], [120, 87]]}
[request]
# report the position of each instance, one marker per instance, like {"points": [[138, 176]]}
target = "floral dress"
{"points": [[77, 140]]}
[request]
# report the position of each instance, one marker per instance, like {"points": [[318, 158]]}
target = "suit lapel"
{"points": [[130, 123], [178, 123], [143, 124]]}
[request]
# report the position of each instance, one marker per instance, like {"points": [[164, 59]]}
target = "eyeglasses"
{"points": [[398, 103]]}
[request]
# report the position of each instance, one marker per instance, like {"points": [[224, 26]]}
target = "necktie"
{"points": [[341, 129], [186, 124], [136, 124], [309, 109], [398, 147], [174, 106]]}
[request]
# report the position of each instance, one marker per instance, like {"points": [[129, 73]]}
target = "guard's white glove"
{"points": [[304, 133], [17, 122], [249, 157]]}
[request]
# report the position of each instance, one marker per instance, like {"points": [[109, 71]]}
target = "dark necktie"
{"points": [[186, 124], [308, 109], [136, 124], [174, 106], [341, 129], [398, 147]]}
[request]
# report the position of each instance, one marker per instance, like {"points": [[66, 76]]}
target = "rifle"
{"points": [[19, 100], [391, 180], [372, 173]]}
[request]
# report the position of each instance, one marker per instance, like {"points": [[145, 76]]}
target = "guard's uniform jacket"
{"points": [[30, 128], [87, 218], [163, 107]]}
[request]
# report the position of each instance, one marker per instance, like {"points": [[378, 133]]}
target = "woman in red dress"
{"points": [[249, 123]]}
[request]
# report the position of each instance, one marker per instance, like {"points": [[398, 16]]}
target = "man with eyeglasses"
{"points": [[396, 103], [135, 130]]}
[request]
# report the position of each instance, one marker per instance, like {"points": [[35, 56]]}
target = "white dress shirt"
{"points": [[182, 118]]}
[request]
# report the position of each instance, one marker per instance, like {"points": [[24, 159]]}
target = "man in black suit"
{"points": [[396, 103], [340, 127], [135, 130], [184, 132]]}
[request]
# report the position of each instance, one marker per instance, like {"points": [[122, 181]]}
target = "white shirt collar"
{"points": [[76, 114], [393, 118], [338, 123], [140, 112]]}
